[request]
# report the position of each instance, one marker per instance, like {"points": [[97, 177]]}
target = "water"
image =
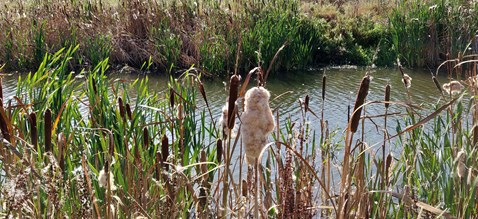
{"points": [[342, 85]]}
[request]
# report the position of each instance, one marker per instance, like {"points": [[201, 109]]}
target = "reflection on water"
{"points": [[342, 85]]}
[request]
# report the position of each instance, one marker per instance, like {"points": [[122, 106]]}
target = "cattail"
{"points": [[202, 197], [362, 94], [219, 150], [1, 88], [306, 103], [202, 91], [244, 188], [461, 168], [407, 80], [257, 122], [203, 165], [223, 121], [61, 151], [145, 137], [128, 112], [437, 84], [105, 177], [233, 92], [165, 149], [121, 108], [454, 87], [171, 97], [111, 148], [158, 164], [387, 95], [3, 124], [48, 130], [324, 81], [32, 119]]}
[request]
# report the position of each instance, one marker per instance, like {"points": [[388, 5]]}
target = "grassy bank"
{"points": [[174, 35], [206, 34], [81, 147]]}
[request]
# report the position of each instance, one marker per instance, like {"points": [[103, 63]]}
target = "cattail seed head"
{"points": [[165, 149], [121, 108], [233, 92], [387, 95], [361, 95], [145, 137], [407, 80], [48, 130], [128, 112], [171, 97], [306, 103], [1, 88], [32, 119], [324, 82], [202, 91], [219, 150], [454, 87], [437, 84], [257, 122]]}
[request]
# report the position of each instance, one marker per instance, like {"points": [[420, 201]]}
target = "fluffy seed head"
{"points": [[257, 122], [407, 80], [454, 87]]}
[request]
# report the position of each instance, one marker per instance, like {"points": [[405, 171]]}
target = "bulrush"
{"points": [[407, 80], [257, 122], [223, 121], [454, 87], [362, 94], [233, 92]]}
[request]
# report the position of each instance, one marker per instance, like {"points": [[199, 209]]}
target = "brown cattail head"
{"points": [[32, 119], [48, 130], [244, 188], [203, 160], [61, 151], [306, 103], [145, 137], [3, 123], [387, 95], [165, 149], [111, 149], [171, 97], [437, 84], [324, 82], [362, 94], [233, 92], [159, 162], [202, 91], [1, 88], [121, 108], [219, 150], [128, 112]]}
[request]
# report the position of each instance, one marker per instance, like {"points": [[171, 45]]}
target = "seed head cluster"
{"points": [[257, 122]]}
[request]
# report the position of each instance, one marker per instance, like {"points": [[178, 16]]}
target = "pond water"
{"points": [[341, 87]]}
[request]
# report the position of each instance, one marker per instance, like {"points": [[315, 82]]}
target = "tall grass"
{"points": [[179, 34]]}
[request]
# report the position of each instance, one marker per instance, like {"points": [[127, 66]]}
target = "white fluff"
{"points": [[257, 122]]}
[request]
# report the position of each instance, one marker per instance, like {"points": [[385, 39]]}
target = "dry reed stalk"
{"points": [[48, 130]]}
